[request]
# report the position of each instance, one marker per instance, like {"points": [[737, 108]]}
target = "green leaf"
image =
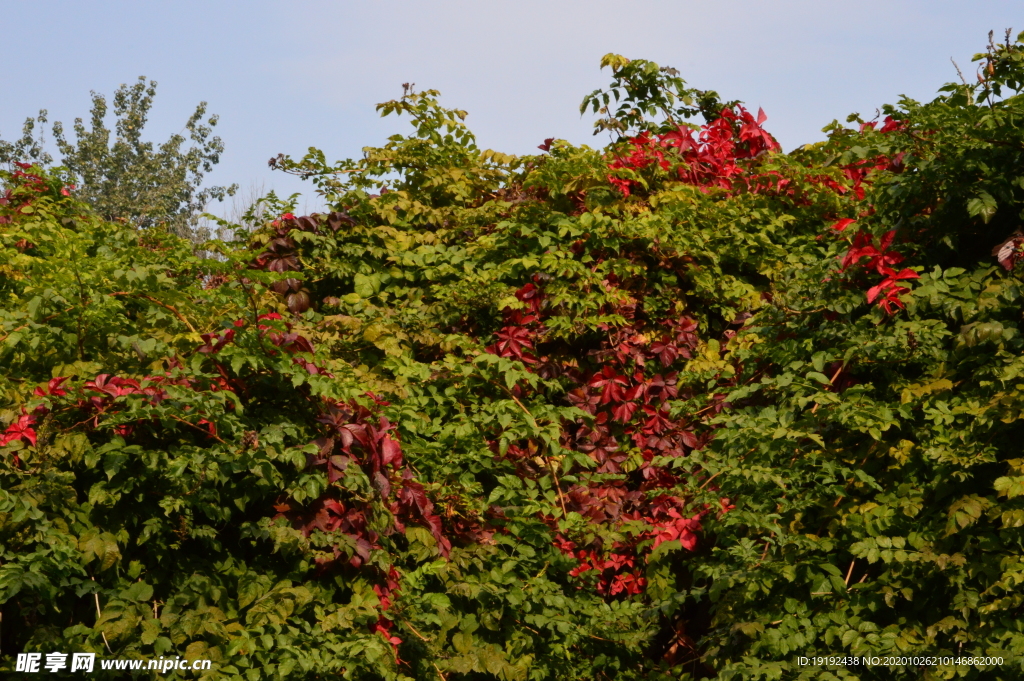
{"points": [[982, 205], [138, 592]]}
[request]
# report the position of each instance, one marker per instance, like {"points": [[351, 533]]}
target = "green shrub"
{"points": [[682, 407]]}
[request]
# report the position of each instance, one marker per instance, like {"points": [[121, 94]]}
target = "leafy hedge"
{"points": [[681, 407]]}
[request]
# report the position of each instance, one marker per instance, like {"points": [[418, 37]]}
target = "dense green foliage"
{"points": [[666, 409], [127, 178]]}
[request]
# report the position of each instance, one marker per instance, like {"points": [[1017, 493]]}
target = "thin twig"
{"points": [[558, 488], [199, 428], [701, 411], [849, 573], [255, 308], [522, 406], [413, 630], [99, 615], [831, 381], [524, 626], [958, 71], [41, 321], [792, 311], [81, 313], [202, 478], [708, 481], [162, 304], [551, 467]]}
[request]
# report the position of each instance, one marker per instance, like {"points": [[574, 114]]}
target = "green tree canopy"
{"points": [[124, 177]]}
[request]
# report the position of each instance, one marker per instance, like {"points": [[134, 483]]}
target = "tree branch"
{"points": [[162, 304]]}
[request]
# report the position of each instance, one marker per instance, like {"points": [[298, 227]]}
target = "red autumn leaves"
{"points": [[626, 394], [98, 395], [880, 259], [24, 188], [356, 436], [712, 158], [516, 338], [709, 158], [865, 253], [23, 429], [20, 430], [98, 398], [281, 253], [619, 567]]}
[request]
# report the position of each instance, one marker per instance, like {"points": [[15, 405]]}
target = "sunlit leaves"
{"points": [[492, 416]]}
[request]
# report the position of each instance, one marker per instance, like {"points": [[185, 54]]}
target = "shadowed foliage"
{"points": [[684, 406]]}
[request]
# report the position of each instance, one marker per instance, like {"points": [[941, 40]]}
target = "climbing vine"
{"points": [[685, 406]]}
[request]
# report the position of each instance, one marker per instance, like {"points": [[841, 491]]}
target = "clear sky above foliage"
{"points": [[285, 76]]}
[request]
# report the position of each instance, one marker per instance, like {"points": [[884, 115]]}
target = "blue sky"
{"points": [[287, 76]]}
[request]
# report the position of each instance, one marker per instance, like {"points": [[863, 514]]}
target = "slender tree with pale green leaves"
{"points": [[122, 176]]}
